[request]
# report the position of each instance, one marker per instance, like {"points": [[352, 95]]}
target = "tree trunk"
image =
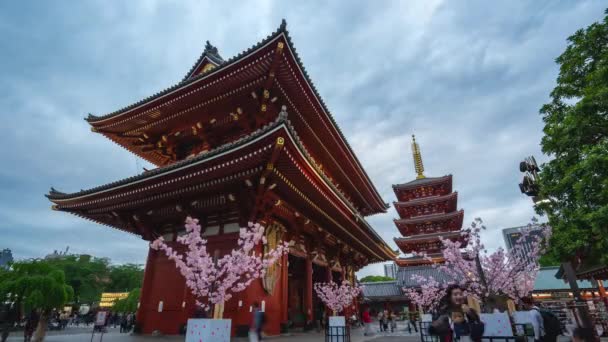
{"points": [[43, 323]]}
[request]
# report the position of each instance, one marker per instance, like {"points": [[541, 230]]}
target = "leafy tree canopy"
{"points": [[124, 278], [37, 285], [128, 304], [375, 278], [576, 135], [87, 275]]}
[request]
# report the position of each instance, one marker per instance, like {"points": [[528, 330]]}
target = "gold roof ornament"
{"points": [[417, 159]]}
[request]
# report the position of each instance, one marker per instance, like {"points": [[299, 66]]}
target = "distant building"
{"points": [[513, 237], [6, 257], [390, 270]]}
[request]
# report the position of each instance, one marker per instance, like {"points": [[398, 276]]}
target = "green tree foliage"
{"points": [[90, 276], [576, 135], [128, 304], [124, 278], [373, 279], [87, 275], [36, 285]]}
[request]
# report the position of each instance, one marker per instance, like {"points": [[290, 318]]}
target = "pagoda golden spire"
{"points": [[417, 159]]}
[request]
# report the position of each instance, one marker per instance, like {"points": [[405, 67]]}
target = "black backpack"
{"points": [[477, 330], [553, 326]]}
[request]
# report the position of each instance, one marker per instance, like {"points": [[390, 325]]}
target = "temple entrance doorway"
{"points": [[319, 275], [296, 313]]}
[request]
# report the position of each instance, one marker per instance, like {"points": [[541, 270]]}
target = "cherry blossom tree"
{"points": [[428, 295], [337, 297], [484, 275], [215, 281]]}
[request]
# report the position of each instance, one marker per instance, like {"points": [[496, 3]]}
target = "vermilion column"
{"points": [[308, 290], [284, 287], [146, 289]]}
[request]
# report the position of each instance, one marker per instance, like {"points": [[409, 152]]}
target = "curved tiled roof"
{"points": [[424, 200], [434, 217], [404, 275], [422, 181], [282, 30], [57, 195], [381, 289], [422, 237], [210, 53]]}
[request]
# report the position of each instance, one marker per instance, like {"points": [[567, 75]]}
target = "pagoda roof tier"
{"points": [[431, 224], [436, 258], [427, 243], [201, 110], [423, 187], [272, 155], [427, 206]]}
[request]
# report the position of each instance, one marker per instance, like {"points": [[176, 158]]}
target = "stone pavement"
{"points": [[73, 334]]}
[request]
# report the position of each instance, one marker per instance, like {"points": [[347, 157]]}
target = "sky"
{"points": [[467, 77]]}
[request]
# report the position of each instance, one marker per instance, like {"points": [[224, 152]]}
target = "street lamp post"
{"points": [[529, 186]]}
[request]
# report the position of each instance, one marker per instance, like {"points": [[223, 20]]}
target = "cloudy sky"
{"points": [[467, 77]]}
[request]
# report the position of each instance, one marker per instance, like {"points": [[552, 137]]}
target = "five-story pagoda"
{"points": [[238, 140], [427, 211]]}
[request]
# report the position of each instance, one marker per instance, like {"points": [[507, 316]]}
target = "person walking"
{"points": [[30, 325], [257, 322], [367, 322], [381, 320], [413, 321], [391, 321], [536, 319]]}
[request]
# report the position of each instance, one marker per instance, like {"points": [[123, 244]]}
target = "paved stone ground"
{"points": [[83, 334], [73, 334]]}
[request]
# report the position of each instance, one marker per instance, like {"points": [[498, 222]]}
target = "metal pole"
{"points": [[482, 276], [578, 299]]}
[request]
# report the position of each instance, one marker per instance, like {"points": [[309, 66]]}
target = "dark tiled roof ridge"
{"points": [[421, 181], [432, 216], [428, 236], [281, 118], [378, 282], [331, 118], [426, 199], [211, 53], [282, 29]]}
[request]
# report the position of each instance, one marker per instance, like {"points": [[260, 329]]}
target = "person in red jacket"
{"points": [[367, 321]]}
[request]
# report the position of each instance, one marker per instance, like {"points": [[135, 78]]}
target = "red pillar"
{"points": [[602, 290], [284, 287], [146, 289], [308, 293]]}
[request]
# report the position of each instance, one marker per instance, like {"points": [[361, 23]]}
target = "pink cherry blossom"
{"points": [[507, 273], [216, 281], [337, 297]]}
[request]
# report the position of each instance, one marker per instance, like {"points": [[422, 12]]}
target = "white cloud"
{"points": [[467, 79]]}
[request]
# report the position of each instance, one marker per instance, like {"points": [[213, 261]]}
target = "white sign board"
{"points": [[497, 324], [337, 321], [426, 318], [100, 319], [337, 328], [208, 330]]}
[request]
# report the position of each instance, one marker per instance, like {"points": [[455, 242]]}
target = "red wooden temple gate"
{"points": [[238, 140]]}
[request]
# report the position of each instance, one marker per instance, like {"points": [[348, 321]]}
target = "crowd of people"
{"points": [[387, 321], [455, 321], [12, 320]]}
